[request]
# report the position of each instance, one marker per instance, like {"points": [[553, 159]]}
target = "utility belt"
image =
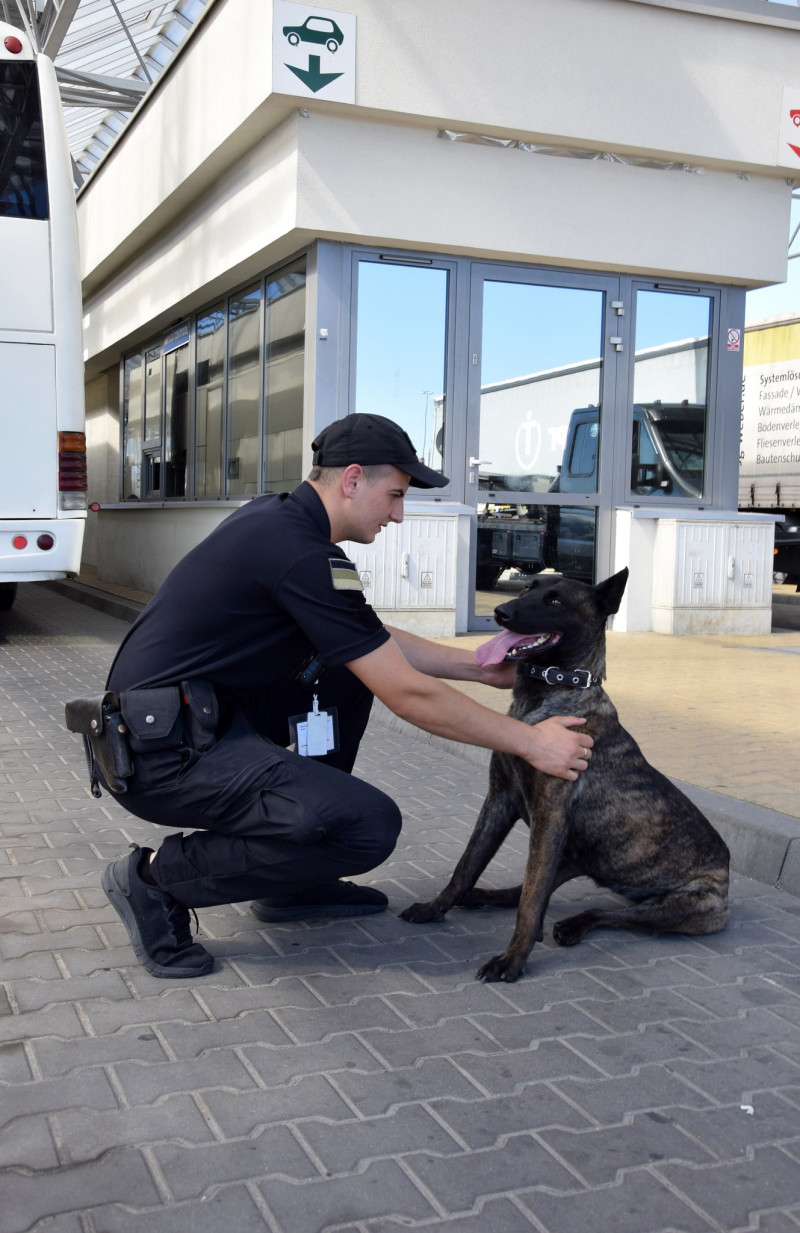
{"points": [[116, 727]]}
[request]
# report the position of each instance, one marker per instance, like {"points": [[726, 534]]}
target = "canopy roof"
{"points": [[108, 54]]}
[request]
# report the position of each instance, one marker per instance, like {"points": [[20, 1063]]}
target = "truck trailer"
{"points": [[769, 455]]}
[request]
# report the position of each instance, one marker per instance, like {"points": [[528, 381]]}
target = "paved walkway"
{"points": [[353, 1076]]}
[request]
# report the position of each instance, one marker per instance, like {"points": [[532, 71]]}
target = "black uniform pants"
{"points": [[265, 822]]}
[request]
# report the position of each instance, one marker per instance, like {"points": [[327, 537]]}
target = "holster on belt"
{"points": [[99, 721]]}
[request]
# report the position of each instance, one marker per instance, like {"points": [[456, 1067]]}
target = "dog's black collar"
{"points": [[573, 678]]}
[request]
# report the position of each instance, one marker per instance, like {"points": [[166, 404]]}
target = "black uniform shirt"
{"points": [[246, 606]]}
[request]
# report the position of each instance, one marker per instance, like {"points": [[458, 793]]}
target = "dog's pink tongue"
{"points": [[495, 650]]}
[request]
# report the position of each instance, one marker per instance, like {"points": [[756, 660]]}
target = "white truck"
{"points": [[769, 455]]}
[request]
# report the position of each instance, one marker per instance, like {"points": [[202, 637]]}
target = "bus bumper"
{"points": [[32, 563]]}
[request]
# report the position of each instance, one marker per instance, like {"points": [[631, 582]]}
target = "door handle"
{"points": [[480, 462]]}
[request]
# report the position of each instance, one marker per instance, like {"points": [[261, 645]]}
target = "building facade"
{"points": [[523, 232]]}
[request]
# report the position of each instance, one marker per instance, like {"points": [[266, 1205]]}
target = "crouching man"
{"points": [[263, 623]]}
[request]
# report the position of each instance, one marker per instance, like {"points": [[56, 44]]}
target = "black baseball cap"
{"points": [[371, 440]]}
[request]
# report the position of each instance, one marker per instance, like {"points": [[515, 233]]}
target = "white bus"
{"points": [[42, 442]]}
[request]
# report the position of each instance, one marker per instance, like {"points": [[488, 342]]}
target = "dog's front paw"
{"points": [[422, 913], [502, 967]]}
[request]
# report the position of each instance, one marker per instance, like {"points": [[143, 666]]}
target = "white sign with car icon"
{"points": [[313, 52]]}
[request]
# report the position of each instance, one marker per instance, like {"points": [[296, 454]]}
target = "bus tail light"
{"points": [[72, 481]]}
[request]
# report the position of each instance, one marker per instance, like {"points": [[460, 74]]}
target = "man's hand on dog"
{"points": [[499, 676], [558, 747]]}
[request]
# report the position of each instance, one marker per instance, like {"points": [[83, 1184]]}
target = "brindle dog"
{"points": [[622, 822]]}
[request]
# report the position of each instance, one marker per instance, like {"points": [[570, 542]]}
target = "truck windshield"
{"points": [[683, 446], [23, 184]]}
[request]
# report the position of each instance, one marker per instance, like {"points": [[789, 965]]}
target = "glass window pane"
{"points": [[210, 403], [283, 380], [132, 429], [541, 362], [516, 541], [176, 422], [244, 373], [152, 395], [401, 369], [23, 183], [670, 394]]}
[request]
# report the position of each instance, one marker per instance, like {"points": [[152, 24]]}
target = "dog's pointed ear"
{"points": [[609, 593]]}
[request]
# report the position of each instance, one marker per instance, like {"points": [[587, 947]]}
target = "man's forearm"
{"points": [[435, 658]]}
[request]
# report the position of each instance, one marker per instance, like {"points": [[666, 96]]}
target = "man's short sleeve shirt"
{"points": [[246, 606]]}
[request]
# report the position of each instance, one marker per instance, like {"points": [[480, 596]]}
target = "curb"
{"points": [[103, 601], [764, 844]]}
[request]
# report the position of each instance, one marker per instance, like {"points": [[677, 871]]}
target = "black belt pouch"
{"points": [[201, 715], [99, 722], [153, 718]]}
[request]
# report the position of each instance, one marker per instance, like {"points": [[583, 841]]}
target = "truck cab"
{"points": [[666, 457], [666, 453]]}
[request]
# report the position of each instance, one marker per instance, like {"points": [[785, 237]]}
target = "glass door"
{"points": [[542, 360]]}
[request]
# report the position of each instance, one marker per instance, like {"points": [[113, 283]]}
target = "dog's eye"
{"points": [[553, 599]]}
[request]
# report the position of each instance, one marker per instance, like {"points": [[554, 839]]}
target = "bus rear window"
{"points": [[23, 183]]}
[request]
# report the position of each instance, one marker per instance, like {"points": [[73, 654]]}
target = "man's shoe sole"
{"points": [[313, 911], [122, 907]]}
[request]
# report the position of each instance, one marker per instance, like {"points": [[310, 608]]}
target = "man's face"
{"points": [[376, 504]]}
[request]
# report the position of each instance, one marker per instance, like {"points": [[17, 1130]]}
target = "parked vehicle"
{"points": [[666, 457], [769, 456], [43, 455]]}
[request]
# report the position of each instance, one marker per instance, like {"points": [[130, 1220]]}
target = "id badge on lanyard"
{"points": [[316, 733]]}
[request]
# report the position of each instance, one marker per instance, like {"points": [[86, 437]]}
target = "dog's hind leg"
{"points": [[498, 814], [509, 897], [701, 906]]}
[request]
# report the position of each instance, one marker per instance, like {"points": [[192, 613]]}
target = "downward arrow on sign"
{"points": [[795, 148], [312, 77]]}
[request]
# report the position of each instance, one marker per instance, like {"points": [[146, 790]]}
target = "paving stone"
{"points": [[343, 1147], [597, 1155], [383, 1189], [733, 1191], [549, 1059], [607, 1101], [91, 1132], [731, 1130], [118, 1176], [623, 1053], [55, 1058], [459, 1181], [145, 1083], [484, 1121], [493, 1214], [85, 1089], [27, 1144], [36, 994], [231, 1208], [307, 1026], [14, 1065], [638, 1203], [196, 1172], [243, 1113]]}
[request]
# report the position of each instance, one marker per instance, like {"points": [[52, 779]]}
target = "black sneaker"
{"points": [[158, 926], [332, 899]]}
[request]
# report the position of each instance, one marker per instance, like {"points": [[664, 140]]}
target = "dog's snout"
{"points": [[502, 614]]}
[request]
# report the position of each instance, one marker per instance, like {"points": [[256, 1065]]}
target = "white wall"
{"points": [[206, 183]]}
